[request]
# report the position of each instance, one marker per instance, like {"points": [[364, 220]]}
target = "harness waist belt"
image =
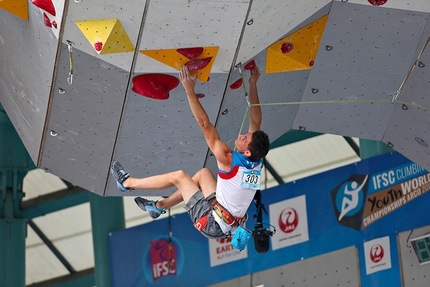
{"points": [[226, 216]]}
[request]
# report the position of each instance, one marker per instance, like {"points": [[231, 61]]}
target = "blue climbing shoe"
{"points": [[119, 174], [149, 206]]}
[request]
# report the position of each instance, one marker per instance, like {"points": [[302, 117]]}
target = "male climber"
{"points": [[211, 203]]}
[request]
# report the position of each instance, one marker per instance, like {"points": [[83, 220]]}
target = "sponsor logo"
{"points": [[348, 200], [288, 220], [163, 259], [376, 253], [222, 251], [224, 245], [361, 200]]}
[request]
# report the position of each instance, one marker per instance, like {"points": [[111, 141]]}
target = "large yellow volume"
{"points": [[106, 36], [296, 51], [18, 8]]}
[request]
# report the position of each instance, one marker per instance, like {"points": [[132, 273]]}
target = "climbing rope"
{"points": [[170, 243], [332, 102]]}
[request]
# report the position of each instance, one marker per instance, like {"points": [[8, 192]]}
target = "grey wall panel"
{"points": [[368, 60], [180, 24], [411, 117], [338, 268], [159, 136], [414, 274], [86, 120], [27, 58]]}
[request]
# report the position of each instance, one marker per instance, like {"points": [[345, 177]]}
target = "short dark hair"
{"points": [[259, 145]]}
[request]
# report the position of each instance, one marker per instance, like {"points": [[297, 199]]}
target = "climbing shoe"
{"points": [[119, 174], [149, 206]]}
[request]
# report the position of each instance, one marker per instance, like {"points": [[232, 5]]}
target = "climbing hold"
{"points": [[377, 2], [311, 63], [18, 8], [176, 60], [154, 86], [200, 96], [190, 53], [236, 85], [198, 64], [48, 22], [250, 65], [46, 5], [107, 36], [287, 47], [98, 46]]}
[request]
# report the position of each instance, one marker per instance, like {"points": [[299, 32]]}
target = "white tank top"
{"points": [[229, 192]]}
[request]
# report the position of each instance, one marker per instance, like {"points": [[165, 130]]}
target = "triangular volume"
{"points": [[18, 8], [296, 51], [107, 36], [200, 65]]}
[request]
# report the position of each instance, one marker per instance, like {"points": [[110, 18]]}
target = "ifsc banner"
{"points": [[362, 199]]}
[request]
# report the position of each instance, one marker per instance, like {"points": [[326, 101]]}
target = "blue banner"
{"points": [[374, 198]]}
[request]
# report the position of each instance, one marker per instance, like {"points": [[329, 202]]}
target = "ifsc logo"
{"points": [[348, 200]]}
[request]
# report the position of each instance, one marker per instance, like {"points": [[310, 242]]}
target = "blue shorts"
{"points": [[198, 206]]}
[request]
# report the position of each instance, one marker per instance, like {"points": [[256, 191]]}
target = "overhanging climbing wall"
{"points": [[27, 59], [111, 90]]}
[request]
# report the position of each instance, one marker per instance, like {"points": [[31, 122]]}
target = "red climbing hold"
{"points": [[190, 53], [98, 46], [200, 96], [287, 47], [198, 64], [250, 65], [154, 86], [46, 5], [377, 2], [236, 85], [46, 20], [311, 63]]}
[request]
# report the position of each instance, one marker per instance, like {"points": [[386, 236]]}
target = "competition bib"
{"points": [[251, 179]]}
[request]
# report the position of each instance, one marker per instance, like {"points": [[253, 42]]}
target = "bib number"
{"points": [[251, 179]]}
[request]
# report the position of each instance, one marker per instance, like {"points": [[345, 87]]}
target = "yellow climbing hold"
{"points": [[107, 36]]}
